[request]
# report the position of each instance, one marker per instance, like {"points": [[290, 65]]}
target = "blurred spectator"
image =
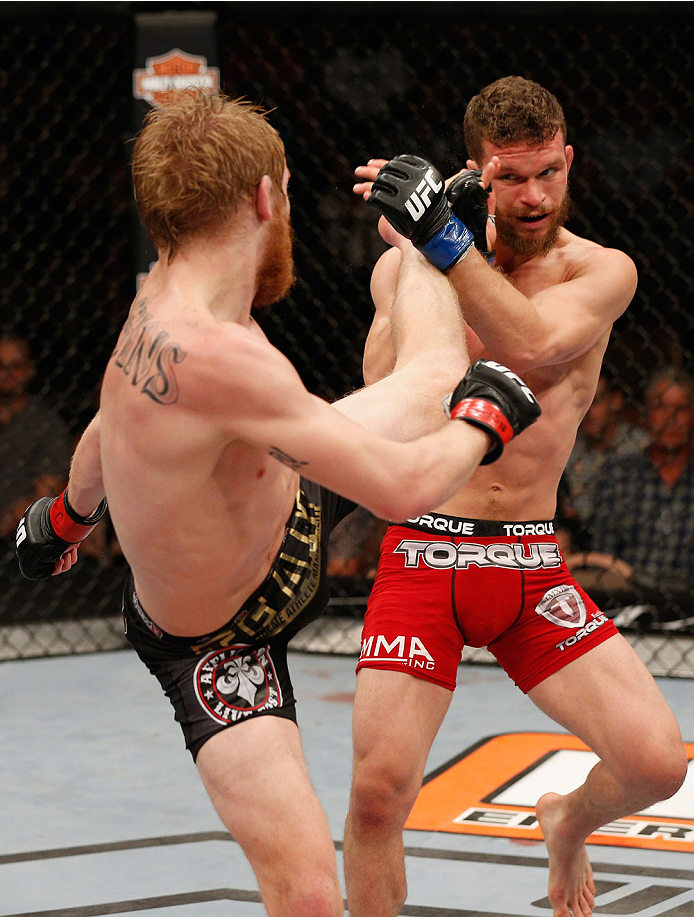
{"points": [[604, 433], [35, 444], [35, 450], [643, 512]]}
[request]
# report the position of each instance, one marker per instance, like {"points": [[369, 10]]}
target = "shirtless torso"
{"points": [[546, 315], [208, 446], [523, 483]]}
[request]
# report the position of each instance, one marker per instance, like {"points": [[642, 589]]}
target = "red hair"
{"points": [[196, 160]]}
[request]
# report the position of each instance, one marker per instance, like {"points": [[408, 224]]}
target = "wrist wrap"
{"points": [[490, 418], [449, 246], [69, 525]]}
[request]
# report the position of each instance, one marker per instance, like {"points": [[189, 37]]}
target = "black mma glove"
{"points": [[492, 397], [468, 201], [45, 532], [410, 194]]}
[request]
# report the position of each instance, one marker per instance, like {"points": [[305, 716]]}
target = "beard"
{"points": [[533, 244], [276, 273]]}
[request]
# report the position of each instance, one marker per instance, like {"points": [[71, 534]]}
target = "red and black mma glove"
{"points": [[492, 397], [48, 528], [469, 202], [410, 194]]}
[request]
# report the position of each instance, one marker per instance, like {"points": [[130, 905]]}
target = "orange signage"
{"points": [[491, 789]]}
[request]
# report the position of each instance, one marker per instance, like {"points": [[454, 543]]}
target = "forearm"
{"points": [[396, 480], [416, 477], [496, 310], [503, 318], [85, 486], [559, 321]]}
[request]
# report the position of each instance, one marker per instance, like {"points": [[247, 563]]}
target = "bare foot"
{"points": [[571, 888]]}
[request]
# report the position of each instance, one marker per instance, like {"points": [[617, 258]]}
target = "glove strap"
{"points": [[488, 256], [449, 246], [491, 418], [69, 525]]}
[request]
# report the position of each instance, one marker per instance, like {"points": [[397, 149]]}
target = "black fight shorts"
{"points": [[240, 671]]}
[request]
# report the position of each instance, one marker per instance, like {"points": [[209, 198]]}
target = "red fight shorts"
{"points": [[444, 582]]}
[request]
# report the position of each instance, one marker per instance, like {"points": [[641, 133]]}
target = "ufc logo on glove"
{"points": [[419, 201]]}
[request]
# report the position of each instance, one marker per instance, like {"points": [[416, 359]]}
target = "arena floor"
{"points": [[103, 812]]}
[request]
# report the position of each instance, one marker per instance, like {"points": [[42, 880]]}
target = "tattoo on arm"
{"points": [[281, 456]]}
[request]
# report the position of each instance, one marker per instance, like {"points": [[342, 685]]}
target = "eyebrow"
{"points": [[508, 169]]}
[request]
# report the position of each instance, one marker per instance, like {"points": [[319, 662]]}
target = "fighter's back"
{"points": [[199, 514]]}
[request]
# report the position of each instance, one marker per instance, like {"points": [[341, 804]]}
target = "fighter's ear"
{"points": [[264, 199], [569, 151]]}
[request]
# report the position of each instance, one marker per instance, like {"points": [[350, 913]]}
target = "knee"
{"points": [[672, 773], [314, 900], [299, 878], [657, 773], [309, 889], [382, 794]]}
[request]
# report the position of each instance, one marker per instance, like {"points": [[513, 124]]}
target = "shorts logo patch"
{"points": [[235, 682], [442, 555], [563, 606], [409, 654]]}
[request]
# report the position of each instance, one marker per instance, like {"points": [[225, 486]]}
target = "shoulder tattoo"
{"points": [[147, 355]]}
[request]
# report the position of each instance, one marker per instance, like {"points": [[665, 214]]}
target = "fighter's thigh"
{"points": [[256, 777], [609, 699], [396, 718]]}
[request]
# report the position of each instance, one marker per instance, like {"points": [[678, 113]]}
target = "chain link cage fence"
{"points": [[344, 83]]}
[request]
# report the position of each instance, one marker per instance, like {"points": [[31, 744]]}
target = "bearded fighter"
{"points": [[484, 568]]}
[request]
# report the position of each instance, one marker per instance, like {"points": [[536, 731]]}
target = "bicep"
{"points": [[310, 437], [576, 314]]}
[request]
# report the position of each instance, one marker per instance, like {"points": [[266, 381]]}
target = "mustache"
{"points": [[533, 213]]}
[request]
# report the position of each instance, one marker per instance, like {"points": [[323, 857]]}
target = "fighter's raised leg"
{"points": [[611, 702]]}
